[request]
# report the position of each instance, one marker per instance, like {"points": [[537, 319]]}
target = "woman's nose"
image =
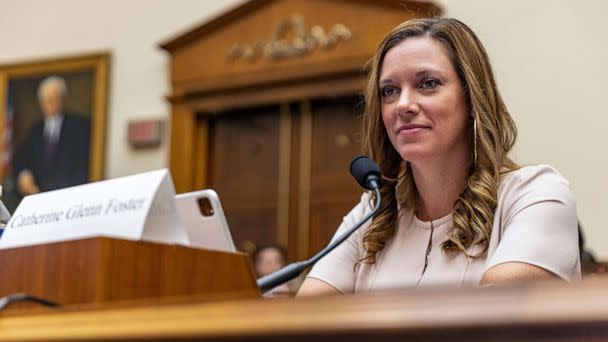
{"points": [[407, 103]]}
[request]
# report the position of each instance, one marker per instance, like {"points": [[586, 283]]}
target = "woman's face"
{"points": [[423, 105]]}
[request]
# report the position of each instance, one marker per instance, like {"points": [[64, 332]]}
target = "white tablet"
{"points": [[202, 216]]}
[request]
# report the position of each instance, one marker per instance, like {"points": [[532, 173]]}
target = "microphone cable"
{"points": [[23, 297]]}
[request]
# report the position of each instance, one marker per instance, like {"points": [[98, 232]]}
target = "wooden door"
{"points": [[281, 171], [336, 125], [243, 169]]}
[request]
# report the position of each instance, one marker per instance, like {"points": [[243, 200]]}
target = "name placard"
{"points": [[138, 207]]}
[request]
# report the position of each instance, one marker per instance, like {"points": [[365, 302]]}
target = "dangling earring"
{"points": [[474, 142]]}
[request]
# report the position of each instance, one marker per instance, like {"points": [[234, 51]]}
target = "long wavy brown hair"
{"points": [[495, 135]]}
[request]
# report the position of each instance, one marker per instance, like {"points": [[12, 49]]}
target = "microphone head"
{"points": [[363, 170]]}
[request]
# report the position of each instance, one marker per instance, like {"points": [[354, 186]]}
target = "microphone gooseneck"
{"points": [[367, 174]]}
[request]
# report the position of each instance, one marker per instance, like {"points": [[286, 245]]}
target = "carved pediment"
{"points": [[274, 41], [290, 38]]}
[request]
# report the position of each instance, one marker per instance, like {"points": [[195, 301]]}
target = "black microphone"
{"points": [[368, 175], [366, 172]]}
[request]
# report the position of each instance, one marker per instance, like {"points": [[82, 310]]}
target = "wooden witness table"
{"points": [[552, 311]]}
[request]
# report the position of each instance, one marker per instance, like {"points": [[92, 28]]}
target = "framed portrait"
{"points": [[52, 124]]}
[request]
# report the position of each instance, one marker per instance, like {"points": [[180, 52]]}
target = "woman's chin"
{"points": [[413, 156]]}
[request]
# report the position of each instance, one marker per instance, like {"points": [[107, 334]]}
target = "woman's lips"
{"points": [[411, 130]]}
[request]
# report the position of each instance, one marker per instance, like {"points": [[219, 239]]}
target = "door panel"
{"points": [[335, 141], [244, 171]]}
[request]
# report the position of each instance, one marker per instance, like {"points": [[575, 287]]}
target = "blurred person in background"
{"points": [[589, 264], [268, 259]]}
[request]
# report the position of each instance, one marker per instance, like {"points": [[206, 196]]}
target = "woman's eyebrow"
{"points": [[385, 81], [428, 71]]}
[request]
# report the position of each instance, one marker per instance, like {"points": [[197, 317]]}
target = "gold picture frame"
{"points": [[91, 71]]}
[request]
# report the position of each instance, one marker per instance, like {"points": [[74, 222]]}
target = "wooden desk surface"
{"points": [[544, 311]]}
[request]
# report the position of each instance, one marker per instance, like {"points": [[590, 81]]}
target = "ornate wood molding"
{"points": [[291, 38]]}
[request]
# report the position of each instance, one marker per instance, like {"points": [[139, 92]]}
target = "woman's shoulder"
{"points": [[532, 175], [363, 207], [534, 182]]}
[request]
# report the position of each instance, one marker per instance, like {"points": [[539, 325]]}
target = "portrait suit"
{"points": [[62, 164]]}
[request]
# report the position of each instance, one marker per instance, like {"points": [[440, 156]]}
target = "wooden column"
{"points": [[183, 147]]}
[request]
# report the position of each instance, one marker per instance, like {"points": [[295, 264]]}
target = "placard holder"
{"points": [[101, 270], [136, 207]]}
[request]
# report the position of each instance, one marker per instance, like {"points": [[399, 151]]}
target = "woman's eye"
{"points": [[429, 83], [388, 91]]}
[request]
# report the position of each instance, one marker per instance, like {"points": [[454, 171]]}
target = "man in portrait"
{"points": [[55, 153]]}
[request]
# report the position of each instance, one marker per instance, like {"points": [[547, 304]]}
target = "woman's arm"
{"points": [[514, 272], [538, 236], [316, 287]]}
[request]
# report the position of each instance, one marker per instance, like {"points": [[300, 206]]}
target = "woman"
{"points": [[455, 209]]}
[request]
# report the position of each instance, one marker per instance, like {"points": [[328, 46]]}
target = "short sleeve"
{"points": [[338, 267], [539, 223]]}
